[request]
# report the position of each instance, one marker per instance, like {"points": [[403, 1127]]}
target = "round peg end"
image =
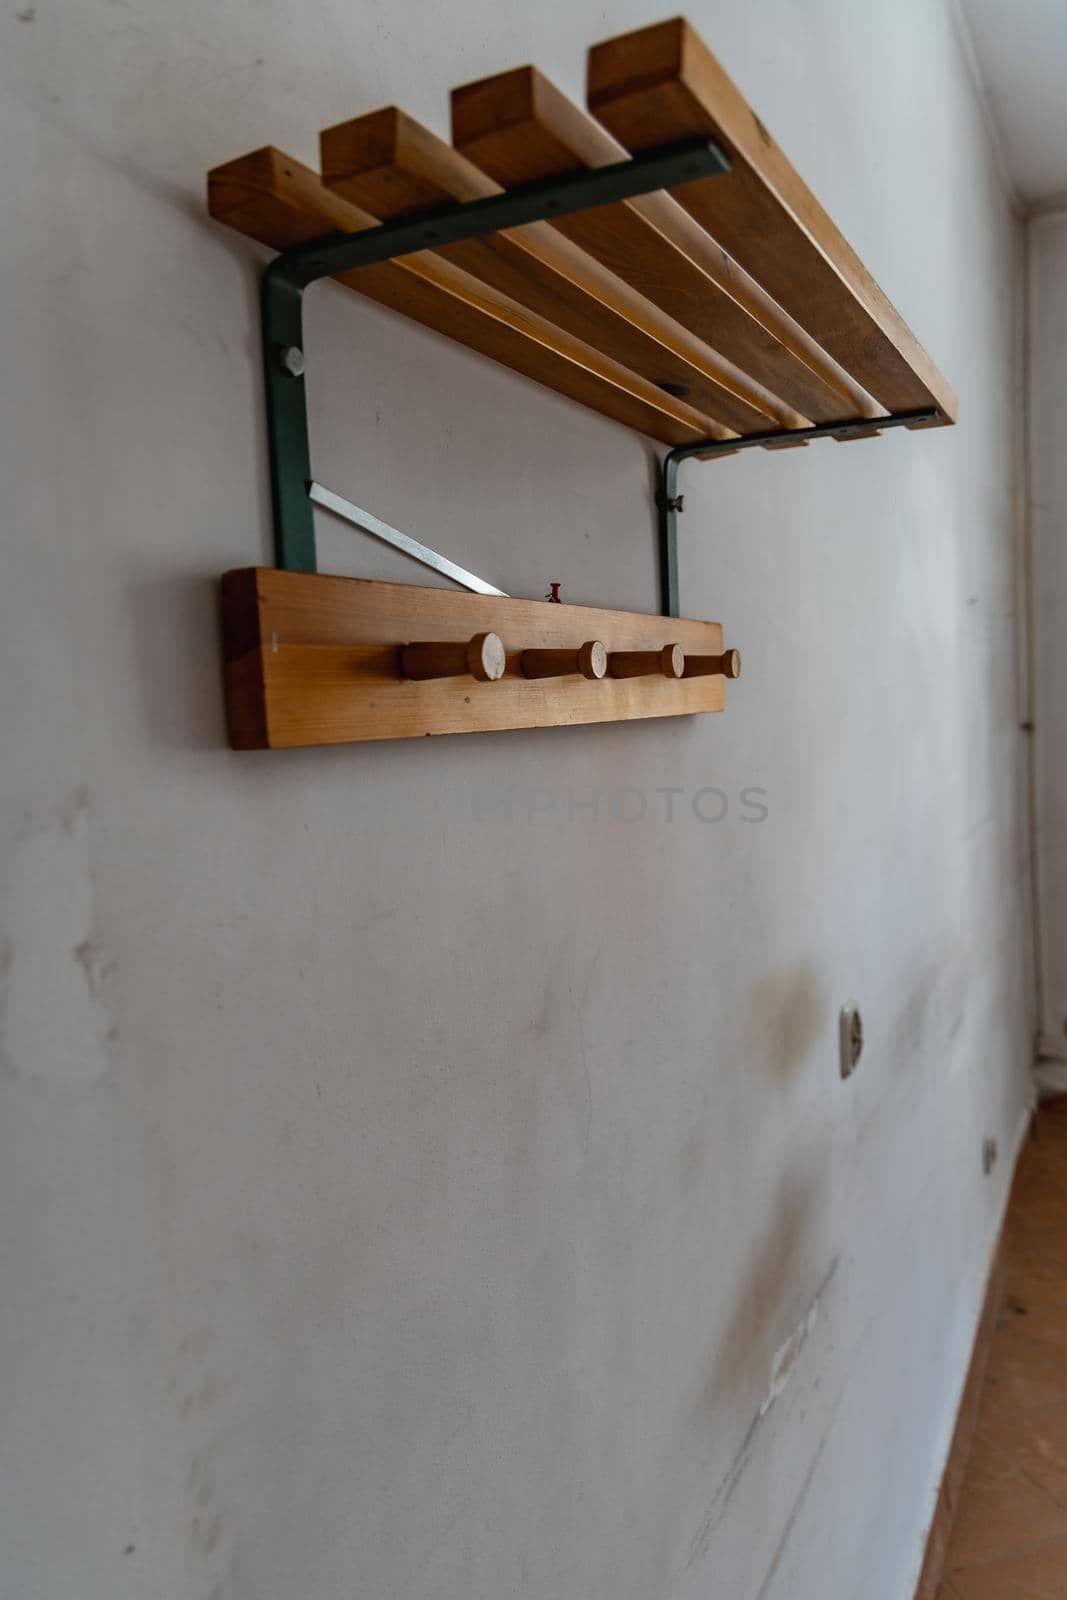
{"points": [[485, 657], [672, 661], [731, 663], [593, 659]]}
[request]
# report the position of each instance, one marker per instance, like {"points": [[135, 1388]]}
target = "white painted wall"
{"points": [[1048, 478], [1020, 59], [412, 1205]]}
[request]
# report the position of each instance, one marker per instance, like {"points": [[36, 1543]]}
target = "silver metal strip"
{"points": [[341, 507]]}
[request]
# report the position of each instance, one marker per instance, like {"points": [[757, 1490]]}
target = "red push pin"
{"points": [[553, 597]]}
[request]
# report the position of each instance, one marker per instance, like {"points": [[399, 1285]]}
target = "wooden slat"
{"points": [[276, 200], [661, 84], [312, 659], [518, 128], [396, 168]]}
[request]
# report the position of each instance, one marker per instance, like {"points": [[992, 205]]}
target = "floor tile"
{"points": [[1009, 1539], [1044, 1155], [1044, 1163], [1039, 1574], [1024, 1372], [1000, 1511], [1046, 1325], [1048, 1157], [1037, 1272], [1039, 1202], [1041, 1155], [1037, 1442]]}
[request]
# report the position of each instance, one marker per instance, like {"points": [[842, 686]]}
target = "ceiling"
{"points": [[1021, 50]]}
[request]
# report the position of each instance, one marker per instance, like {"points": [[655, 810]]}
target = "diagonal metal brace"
{"points": [[287, 276]]}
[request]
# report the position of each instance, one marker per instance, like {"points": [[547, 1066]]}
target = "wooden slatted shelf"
{"points": [[390, 165], [728, 308], [663, 83], [519, 128]]}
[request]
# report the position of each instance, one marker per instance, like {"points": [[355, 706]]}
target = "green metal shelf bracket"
{"points": [[669, 503], [289, 274]]}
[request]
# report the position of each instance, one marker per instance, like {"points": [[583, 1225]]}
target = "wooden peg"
{"points": [[591, 661], [668, 662], [482, 657], [728, 664]]}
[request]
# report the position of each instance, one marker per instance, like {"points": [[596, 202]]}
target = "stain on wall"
{"points": [[56, 1021]]}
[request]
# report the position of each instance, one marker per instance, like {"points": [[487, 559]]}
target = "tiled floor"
{"points": [[1009, 1541]]}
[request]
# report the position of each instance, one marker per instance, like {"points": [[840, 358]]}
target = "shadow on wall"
{"points": [[176, 632], [791, 1012]]}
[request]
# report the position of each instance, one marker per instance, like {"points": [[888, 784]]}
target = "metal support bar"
{"points": [[282, 304], [532, 202], [290, 273], [319, 495], [669, 501]]}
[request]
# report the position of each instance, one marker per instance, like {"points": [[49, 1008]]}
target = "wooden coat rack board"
{"points": [[659, 261], [312, 659]]}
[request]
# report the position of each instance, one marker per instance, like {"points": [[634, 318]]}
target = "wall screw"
{"points": [[293, 360], [850, 1038]]}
